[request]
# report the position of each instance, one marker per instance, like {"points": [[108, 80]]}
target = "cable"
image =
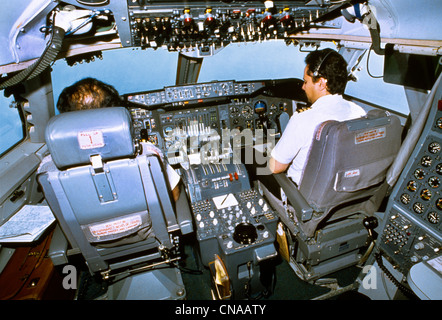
{"points": [[50, 53], [409, 293], [368, 69]]}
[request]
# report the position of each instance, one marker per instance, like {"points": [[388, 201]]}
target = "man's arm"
{"points": [[277, 167]]}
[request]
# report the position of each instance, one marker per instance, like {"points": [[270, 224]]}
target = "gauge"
{"points": [[153, 139], [419, 174], [247, 112], [434, 182], [426, 161], [412, 186], [434, 147], [439, 169], [234, 111], [167, 131], [439, 203], [418, 207], [260, 107], [274, 107], [405, 198], [426, 194], [433, 217], [439, 123]]}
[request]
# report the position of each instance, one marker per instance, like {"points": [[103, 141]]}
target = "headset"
{"points": [[316, 72]]}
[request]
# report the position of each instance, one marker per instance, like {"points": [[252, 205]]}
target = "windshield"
{"points": [[11, 124], [134, 70]]}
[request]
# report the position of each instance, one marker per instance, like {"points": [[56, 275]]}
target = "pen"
{"points": [[224, 199]]}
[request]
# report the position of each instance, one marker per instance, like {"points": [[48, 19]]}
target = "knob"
{"points": [[245, 233], [370, 223]]}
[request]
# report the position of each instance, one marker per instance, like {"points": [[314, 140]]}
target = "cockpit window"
{"points": [[371, 87], [254, 61], [11, 124], [130, 70]]}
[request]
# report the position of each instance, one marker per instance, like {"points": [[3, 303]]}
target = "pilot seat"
{"points": [[114, 205], [330, 215]]}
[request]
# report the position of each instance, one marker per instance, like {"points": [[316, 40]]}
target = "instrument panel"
{"points": [[198, 93], [182, 119], [412, 228], [203, 26]]}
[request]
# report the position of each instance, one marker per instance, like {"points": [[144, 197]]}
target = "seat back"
{"points": [[110, 202], [347, 165]]}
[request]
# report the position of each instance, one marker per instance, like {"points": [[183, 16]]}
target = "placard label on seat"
{"points": [[115, 227], [370, 135], [90, 139]]}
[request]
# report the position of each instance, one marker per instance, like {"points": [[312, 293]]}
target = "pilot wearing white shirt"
{"points": [[325, 78]]}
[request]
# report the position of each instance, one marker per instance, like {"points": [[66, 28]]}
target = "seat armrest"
{"points": [[58, 248], [303, 210]]}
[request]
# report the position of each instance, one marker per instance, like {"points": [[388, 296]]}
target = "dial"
{"points": [[405, 198], [167, 130], [433, 217], [419, 174], [260, 107], [426, 194], [434, 182], [439, 123], [247, 111], [439, 203], [434, 147], [426, 161], [418, 207], [412, 186], [439, 169], [234, 111]]}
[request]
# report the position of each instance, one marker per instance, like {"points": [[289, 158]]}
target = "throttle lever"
{"points": [[370, 223]]}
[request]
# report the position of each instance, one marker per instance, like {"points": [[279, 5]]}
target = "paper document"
{"points": [[224, 201], [27, 224]]}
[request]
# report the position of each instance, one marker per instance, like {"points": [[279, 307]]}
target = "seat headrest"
{"points": [[73, 137]]}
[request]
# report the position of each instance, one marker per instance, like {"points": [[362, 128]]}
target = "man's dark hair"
{"points": [[330, 65], [88, 93]]}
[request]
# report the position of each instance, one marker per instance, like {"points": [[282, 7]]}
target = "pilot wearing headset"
{"points": [[325, 79]]}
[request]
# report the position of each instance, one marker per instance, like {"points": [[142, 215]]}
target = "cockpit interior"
{"points": [[207, 89]]}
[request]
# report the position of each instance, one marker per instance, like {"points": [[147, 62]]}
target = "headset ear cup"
{"points": [[316, 72]]}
